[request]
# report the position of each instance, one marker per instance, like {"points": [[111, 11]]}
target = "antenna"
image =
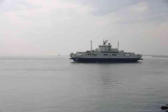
{"points": [[118, 44]]}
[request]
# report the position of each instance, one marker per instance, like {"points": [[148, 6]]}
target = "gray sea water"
{"points": [[58, 85]]}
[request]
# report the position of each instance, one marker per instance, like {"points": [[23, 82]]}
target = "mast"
{"points": [[118, 44], [91, 45]]}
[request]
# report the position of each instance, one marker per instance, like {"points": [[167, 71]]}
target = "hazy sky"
{"points": [[50, 27]]}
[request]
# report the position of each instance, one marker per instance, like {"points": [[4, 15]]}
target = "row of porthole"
{"points": [[105, 55], [110, 55]]}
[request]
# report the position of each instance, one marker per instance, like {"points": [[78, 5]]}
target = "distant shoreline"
{"points": [[158, 56]]}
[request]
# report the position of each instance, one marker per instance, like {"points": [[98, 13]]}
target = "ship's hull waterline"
{"points": [[106, 60]]}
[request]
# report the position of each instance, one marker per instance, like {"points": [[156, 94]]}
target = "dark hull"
{"points": [[106, 60]]}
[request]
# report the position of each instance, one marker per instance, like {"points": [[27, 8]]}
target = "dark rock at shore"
{"points": [[165, 107]]}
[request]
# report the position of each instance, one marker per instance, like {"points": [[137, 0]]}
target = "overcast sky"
{"points": [[51, 27]]}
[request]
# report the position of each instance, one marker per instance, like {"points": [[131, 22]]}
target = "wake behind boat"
{"points": [[105, 53]]}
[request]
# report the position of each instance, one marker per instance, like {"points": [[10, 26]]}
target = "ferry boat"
{"points": [[105, 53]]}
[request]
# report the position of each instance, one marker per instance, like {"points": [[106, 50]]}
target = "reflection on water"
{"points": [[57, 85]]}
